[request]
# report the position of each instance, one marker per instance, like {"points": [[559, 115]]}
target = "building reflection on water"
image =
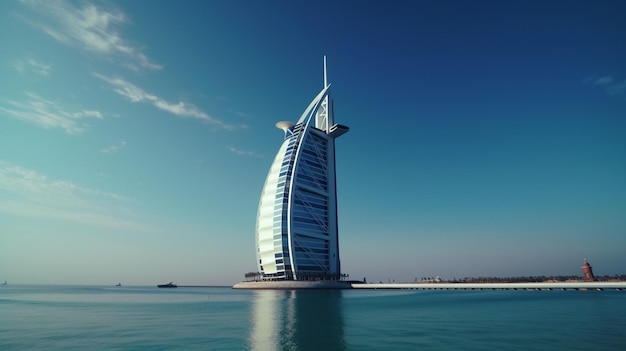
{"points": [[297, 320]]}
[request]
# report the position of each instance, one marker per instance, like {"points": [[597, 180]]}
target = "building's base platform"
{"points": [[293, 285]]}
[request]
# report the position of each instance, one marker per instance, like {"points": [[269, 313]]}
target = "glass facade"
{"points": [[296, 230]]}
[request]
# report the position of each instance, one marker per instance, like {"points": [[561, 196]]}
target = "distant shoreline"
{"points": [[572, 285]]}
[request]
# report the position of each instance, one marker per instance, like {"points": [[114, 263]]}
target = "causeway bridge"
{"points": [[497, 286], [293, 285]]}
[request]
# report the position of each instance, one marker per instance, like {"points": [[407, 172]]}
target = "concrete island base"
{"points": [[293, 285]]}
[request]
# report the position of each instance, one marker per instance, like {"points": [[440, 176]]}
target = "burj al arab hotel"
{"points": [[296, 227]]}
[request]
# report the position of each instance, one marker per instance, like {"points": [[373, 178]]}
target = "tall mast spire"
{"points": [[325, 77], [324, 115]]}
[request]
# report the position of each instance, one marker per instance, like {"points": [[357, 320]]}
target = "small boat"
{"points": [[5, 283], [118, 284], [168, 285]]}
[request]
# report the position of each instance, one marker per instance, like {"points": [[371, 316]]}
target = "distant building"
{"points": [[587, 272], [296, 229]]}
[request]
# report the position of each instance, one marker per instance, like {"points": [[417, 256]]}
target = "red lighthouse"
{"points": [[587, 272]]}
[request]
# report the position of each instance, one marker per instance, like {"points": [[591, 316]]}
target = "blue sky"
{"points": [[487, 138]]}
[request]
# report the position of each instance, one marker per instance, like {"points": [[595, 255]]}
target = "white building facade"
{"points": [[296, 228]]}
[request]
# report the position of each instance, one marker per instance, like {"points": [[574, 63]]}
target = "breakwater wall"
{"points": [[289, 285]]}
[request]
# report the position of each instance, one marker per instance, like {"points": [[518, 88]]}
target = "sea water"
{"points": [[148, 318]]}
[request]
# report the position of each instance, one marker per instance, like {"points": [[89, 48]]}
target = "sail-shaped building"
{"points": [[296, 227]]}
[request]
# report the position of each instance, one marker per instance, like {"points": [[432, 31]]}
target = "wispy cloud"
{"points": [[114, 148], [29, 193], [602, 80], [618, 89], [31, 65], [90, 28], [242, 152], [49, 114], [135, 94], [607, 82]]}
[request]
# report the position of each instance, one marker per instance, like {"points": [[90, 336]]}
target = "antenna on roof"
{"points": [[325, 78]]}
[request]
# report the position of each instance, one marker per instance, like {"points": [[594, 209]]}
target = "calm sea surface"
{"points": [[147, 318]]}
